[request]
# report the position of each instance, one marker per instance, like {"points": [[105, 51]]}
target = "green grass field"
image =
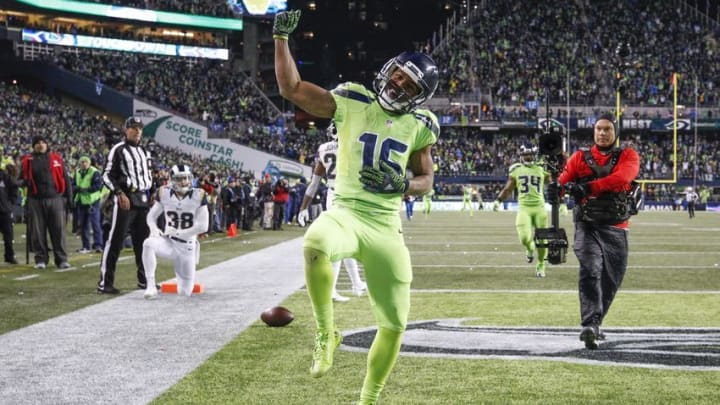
{"points": [[464, 267]]}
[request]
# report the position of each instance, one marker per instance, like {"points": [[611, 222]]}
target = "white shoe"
{"points": [[359, 290], [150, 293], [339, 298]]}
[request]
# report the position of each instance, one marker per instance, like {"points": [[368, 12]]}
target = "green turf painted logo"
{"points": [[677, 348]]}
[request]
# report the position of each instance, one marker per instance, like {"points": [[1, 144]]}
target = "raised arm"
{"points": [[308, 96]]}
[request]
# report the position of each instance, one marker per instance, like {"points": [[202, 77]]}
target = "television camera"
{"points": [[553, 238]]}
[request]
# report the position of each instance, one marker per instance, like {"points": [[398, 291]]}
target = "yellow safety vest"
{"points": [[87, 197]]}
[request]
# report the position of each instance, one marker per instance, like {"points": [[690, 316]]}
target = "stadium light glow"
{"points": [[136, 14]]}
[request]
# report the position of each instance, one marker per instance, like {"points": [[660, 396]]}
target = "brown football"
{"points": [[277, 316]]}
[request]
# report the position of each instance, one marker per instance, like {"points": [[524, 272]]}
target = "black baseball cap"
{"points": [[133, 122]]}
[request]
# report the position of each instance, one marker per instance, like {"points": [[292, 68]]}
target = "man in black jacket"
{"points": [[230, 199], [248, 204], [49, 193], [8, 200]]}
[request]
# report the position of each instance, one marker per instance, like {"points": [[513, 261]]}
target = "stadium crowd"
{"points": [[510, 51], [215, 8], [504, 56]]}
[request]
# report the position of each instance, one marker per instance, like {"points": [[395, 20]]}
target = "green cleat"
{"points": [[325, 345]]}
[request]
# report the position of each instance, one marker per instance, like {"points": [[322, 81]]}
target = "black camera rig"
{"points": [[553, 238]]}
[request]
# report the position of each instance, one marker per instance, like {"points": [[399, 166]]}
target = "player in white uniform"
{"points": [[186, 216], [325, 166]]}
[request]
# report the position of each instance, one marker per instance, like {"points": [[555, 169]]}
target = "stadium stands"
{"points": [[215, 8], [512, 50], [73, 132]]}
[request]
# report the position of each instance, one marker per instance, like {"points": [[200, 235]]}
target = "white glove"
{"points": [[496, 205], [155, 232], [303, 217], [171, 231]]}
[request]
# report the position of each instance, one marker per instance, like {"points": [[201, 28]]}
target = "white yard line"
{"points": [[573, 292], [562, 266], [127, 350], [26, 277]]}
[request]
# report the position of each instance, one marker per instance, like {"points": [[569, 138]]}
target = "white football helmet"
{"points": [[181, 178], [332, 131]]}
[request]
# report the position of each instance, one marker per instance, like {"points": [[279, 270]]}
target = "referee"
{"points": [[127, 175]]}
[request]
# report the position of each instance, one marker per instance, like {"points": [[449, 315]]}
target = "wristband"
{"points": [[280, 37]]}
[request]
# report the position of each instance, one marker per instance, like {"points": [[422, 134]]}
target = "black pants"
{"points": [[602, 251], [47, 216], [6, 228], [122, 221], [691, 209], [247, 217], [231, 213], [278, 215]]}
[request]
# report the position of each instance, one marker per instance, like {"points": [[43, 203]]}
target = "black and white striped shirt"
{"points": [[128, 168]]}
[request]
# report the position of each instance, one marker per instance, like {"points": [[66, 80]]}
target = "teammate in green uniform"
{"points": [[380, 134], [427, 202], [528, 178], [467, 199]]}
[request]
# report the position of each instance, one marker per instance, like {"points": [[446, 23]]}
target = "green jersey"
{"points": [[368, 134], [467, 193], [529, 182]]}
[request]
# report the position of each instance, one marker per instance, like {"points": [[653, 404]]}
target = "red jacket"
{"points": [[57, 170], [625, 171], [281, 193]]}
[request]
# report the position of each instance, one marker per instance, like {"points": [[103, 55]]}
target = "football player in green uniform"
{"points": [[380, 134], [528, 178], [427, 202], [467, 199]]}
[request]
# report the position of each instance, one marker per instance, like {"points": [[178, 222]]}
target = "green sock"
{"points": [[542, 255], [381, 359], [319, 280]]}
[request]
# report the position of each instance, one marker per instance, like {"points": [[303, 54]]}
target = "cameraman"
{"points": [[599, 180]]}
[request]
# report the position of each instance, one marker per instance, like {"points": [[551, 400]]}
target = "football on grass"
{"points": [[277, 316]]}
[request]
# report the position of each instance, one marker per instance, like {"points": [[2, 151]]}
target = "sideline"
{"points": [[128, 350]]}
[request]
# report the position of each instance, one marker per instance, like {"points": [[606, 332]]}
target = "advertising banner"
{"points": [[174, 131], [114, 44]]}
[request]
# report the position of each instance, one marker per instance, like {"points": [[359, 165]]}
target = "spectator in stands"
{"points": [[88, 185], [8, 201], [49, 198]]}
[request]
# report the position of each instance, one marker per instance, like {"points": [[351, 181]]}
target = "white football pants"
{"points": [[185, 256]]}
